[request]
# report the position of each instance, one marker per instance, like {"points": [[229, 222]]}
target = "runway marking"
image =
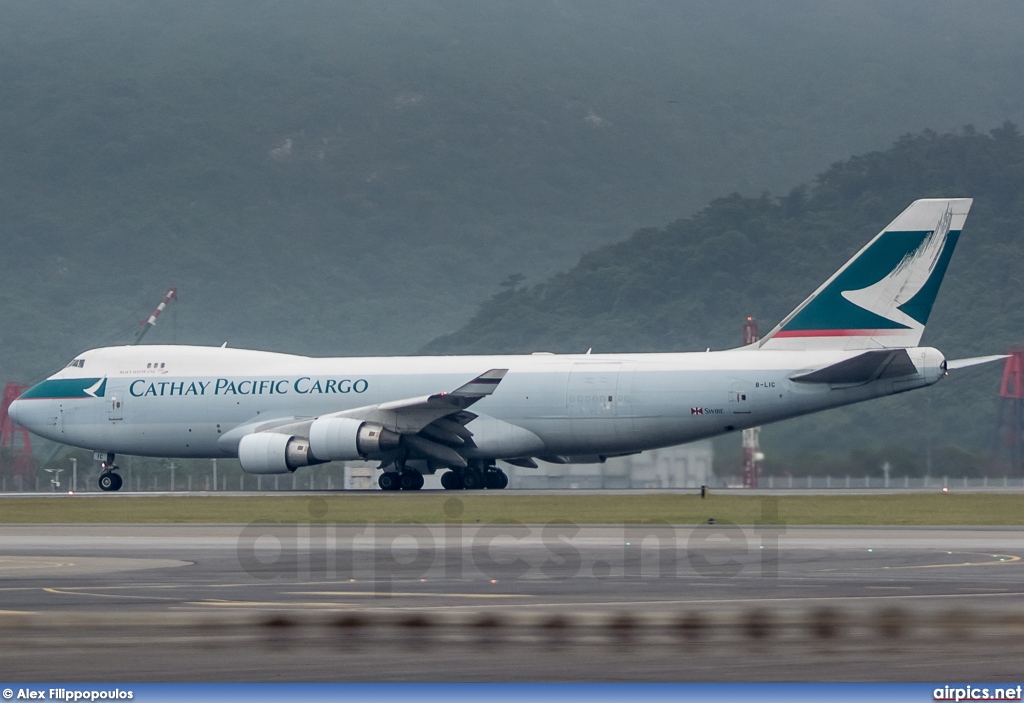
{"points": [[1002, 559], [18, 612], [270, 604], [76, 592], [406, 594], [29, 563]]}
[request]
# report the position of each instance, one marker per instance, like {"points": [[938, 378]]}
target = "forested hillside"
{"points": [[339, 178], [690, 285]]}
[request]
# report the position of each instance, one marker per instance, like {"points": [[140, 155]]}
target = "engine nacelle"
{"points": [[274, 453], [345, 439]]}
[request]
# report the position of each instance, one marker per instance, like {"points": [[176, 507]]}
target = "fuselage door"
{"points": [[740, 400], [115, 404], [593, 389]]}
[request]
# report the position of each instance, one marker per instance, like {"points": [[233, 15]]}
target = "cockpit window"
{"points": [[78, 363]]}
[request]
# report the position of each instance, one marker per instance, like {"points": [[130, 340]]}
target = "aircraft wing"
{"points": [[411, 415], [441, 416]]}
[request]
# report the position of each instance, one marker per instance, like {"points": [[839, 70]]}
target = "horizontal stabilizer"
{"points": [[863, 368], [974, 361]]}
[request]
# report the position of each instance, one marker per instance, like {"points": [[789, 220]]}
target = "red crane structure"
{"points": [[752, 456], [23, 466], [150, 322], [1011, 410]]}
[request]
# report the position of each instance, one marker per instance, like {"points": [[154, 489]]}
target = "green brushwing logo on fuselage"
{"points": [[61, 388]]}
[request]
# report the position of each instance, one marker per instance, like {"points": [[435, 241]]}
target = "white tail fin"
{"points": [[882, 297]]}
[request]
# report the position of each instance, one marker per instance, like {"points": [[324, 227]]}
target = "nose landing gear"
{"points": [[109, 481]]}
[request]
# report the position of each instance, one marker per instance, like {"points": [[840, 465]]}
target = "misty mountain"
{"points": [[691, 284], [355, 177]]}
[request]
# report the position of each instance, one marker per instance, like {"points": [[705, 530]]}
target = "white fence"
{"points": [[893, 482]]}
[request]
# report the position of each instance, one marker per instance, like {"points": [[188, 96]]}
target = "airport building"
{"points": [[686, 466]]}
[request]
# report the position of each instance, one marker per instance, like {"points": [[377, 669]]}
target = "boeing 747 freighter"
{"points": [[853, 339]]}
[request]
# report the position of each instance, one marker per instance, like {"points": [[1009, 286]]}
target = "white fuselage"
{"points": [[183, 401]]}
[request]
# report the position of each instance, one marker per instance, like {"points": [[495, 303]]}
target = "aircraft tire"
{"points": [[118, 482], [388, 481], [410, 481], [492, 479], [503, 479], [451, 481], [109, 481], [473, 480]]}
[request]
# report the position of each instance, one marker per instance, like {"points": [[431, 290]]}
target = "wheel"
{"points": [[492, 479], [473, 480], [451, 481], [503, 483], [388, 481], [109, 481], [410, 480]]}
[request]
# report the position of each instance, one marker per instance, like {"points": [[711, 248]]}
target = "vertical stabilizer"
{"points": [[882, 297]]}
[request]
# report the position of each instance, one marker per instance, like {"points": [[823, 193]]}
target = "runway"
{"points": [[92, 492], [195, 568], [194, 574]]}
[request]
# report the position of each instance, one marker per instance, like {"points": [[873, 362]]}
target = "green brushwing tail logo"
{"points": [[892, 285]]}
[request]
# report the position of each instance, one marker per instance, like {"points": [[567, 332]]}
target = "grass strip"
{"points": [[590, 508]]}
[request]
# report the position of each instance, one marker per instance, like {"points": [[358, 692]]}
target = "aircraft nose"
{"points": [[14, 410]]}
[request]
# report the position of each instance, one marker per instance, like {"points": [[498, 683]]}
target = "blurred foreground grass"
{"points": [[586, 508]]}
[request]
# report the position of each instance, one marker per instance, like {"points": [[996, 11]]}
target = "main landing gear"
{"points": [[474, 478], [109, 481], [406, 480], [471, 478]]}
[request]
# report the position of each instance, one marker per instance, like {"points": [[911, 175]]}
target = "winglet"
{"points": [[484, 384]]}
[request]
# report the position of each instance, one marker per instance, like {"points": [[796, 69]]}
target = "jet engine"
{"points": [[274, 453], [346, 439]]}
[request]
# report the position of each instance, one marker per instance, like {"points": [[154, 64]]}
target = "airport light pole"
{"points": [[74, 474]]}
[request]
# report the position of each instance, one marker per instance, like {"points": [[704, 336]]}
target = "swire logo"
{"points": [[696, 411]]}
